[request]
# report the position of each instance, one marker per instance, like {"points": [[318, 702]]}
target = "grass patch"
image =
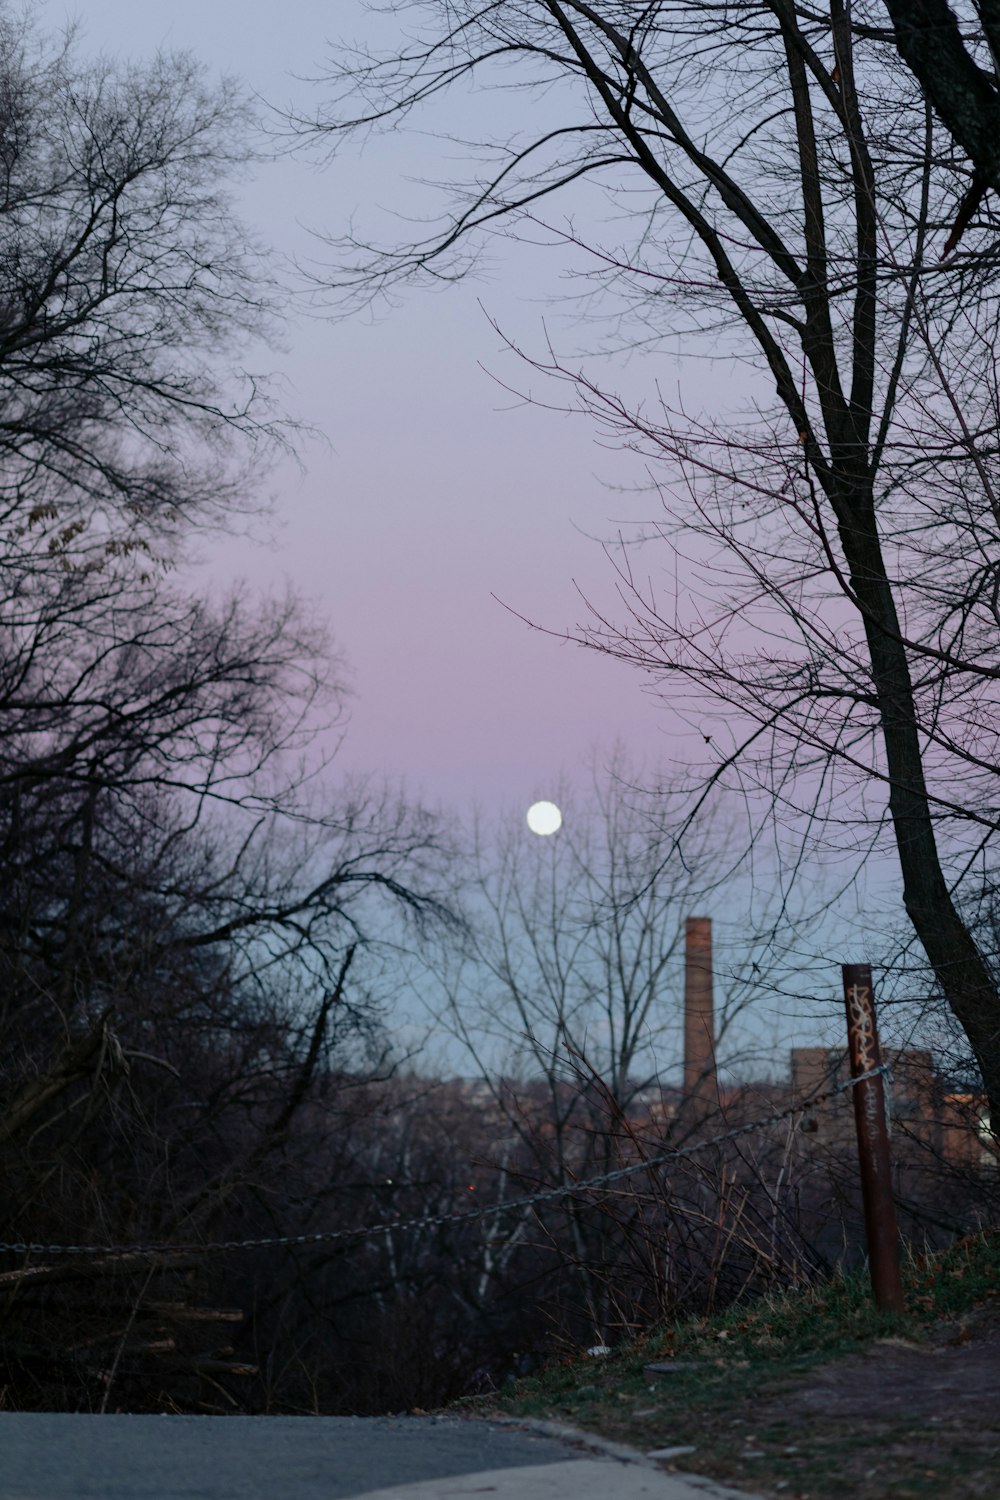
{"points": [[729, 1405]]}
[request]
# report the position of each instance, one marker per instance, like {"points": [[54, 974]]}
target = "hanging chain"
{"points": [[465, 1216]]}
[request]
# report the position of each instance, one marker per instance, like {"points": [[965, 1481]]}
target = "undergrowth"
{"points": [[839, 1313]]}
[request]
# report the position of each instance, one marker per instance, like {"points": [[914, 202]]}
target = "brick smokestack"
{"points": [[700, 1081]]}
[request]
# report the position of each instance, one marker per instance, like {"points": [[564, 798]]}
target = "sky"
{"points": [[439, 513]]}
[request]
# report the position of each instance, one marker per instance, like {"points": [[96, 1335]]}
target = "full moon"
{"points": [[544, 818]]}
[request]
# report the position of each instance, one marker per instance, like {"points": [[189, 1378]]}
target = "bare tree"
{"points": [[573, 954], [188, 921], [127, 286], [780, 185], [188, 901], [567, 999], [158, 823], [955, 62]]}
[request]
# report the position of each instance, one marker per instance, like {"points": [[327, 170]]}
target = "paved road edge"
{"points": [[576, 1479], [698, 1484]]}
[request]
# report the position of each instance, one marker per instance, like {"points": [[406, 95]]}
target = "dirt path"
{"points": [[897, 1421]]}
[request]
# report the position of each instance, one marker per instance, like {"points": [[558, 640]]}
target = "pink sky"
{"points": [[435, 494], [437, 491]]}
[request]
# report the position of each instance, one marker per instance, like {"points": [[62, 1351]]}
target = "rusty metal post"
{"points": [[873, 1139]]}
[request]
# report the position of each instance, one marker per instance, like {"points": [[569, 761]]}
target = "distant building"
{"points": [[952, 1125]]}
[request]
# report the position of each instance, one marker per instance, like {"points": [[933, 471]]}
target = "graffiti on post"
{"points": [[861, 1028], [873, 1139]]}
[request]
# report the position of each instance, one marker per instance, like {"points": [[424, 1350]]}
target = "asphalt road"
{"points": [[56, 1456], [60, 1456]]}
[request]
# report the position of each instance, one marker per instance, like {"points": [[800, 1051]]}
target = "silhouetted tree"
{"points": [[127, 285], [955, 62], [187, 901], [773, 180]]}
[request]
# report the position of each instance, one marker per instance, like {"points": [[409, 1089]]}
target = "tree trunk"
{"points": [[958, 965]]}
